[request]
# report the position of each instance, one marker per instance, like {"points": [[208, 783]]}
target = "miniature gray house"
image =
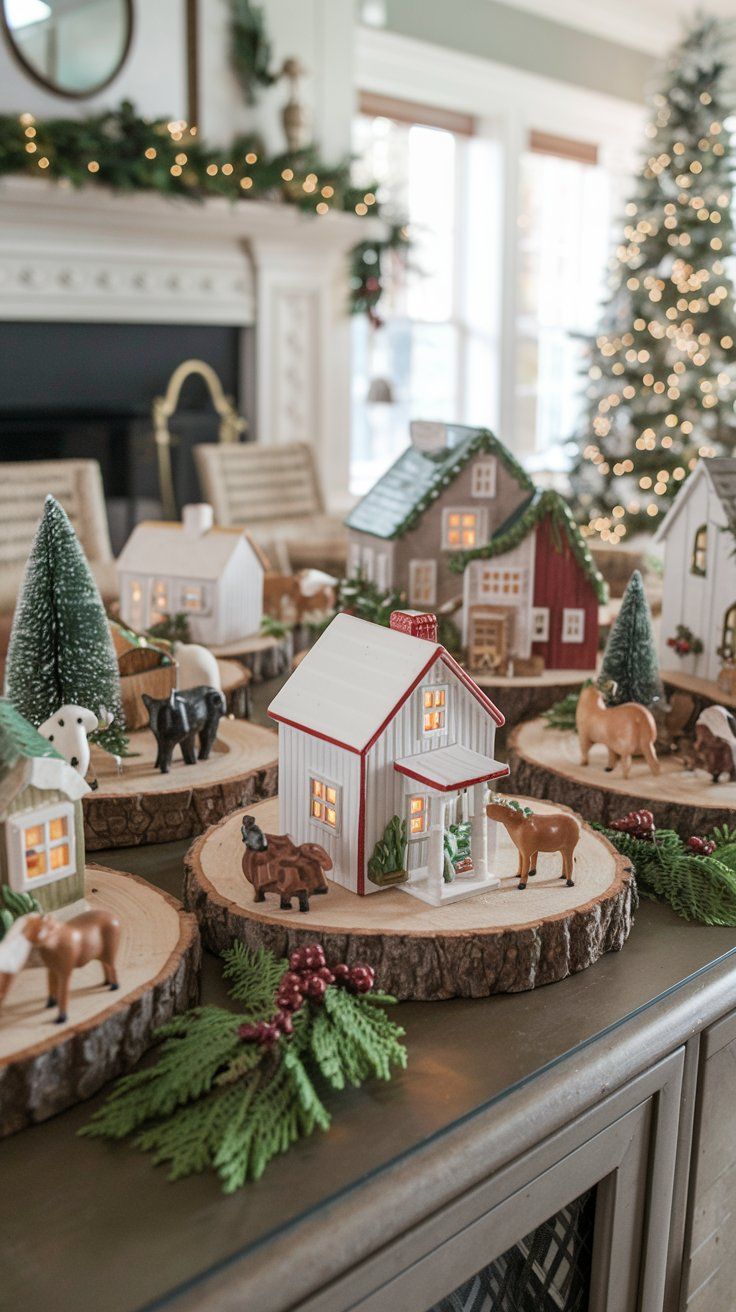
{"points": [[42, 840], [699, 590], [377, 723], [212, 575]]}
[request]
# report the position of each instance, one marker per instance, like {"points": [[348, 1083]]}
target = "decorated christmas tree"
{"points": [[630, 659], [662, 379], [61, 650]]}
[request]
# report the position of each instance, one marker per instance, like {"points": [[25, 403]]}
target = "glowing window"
{"points": [[418, 816], [434, 709], [461, 529], [324, 803], [498, 583], [160, 595], [699, 561], [44, 850], [484, 478], [192, 597], [423, 582]]}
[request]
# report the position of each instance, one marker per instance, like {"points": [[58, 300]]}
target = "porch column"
{"points": [[479, 832], [436, 845]]}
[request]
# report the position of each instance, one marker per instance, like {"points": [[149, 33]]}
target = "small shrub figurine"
{"points": [[273, 863], [532, 834], [627, 731], [388, 862]]}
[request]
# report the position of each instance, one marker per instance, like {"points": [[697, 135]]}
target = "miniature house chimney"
{"points": [[428, 435], [197, 519], [417, 623]]}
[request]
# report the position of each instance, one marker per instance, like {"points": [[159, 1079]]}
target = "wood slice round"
{"points": [[704, 692], [546, 763], [266, 657], [45, 1067], [141, 805], [235, 681], [501, 941], [523, 698]]}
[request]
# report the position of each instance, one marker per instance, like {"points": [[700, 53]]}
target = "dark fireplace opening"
{"points": [[86, 390]]}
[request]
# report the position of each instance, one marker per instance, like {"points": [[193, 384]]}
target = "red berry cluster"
{"points": [[307, 980], [701, 846], [681, 646], [640, 824]]}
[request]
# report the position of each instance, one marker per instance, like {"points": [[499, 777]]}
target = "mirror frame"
{"points": [[42, 81]]}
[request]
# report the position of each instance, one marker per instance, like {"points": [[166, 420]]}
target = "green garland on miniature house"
{"points": [[545, 505], [119, 149], [485, 442]]}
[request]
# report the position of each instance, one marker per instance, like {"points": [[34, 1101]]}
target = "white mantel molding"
{"points": [[95, 256]]}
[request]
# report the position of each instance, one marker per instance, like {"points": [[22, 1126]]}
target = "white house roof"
{"points": [[720, 472], [356, 677], [159, 547], [449, 768]]}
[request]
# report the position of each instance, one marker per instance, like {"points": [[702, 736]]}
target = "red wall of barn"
{"points": [[559, 582]]}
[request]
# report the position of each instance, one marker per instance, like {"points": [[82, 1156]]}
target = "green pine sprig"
{"points": [[212, 1101], [701, 888]]}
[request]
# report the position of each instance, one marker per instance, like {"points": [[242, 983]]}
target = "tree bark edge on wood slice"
{"points": [[70, 1066], [600, 804], [433, 966]]}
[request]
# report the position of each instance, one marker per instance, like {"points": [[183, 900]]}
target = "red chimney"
{"points": [[418, 623]]}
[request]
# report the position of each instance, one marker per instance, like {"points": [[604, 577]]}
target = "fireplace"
{"points": [[86, 390]]}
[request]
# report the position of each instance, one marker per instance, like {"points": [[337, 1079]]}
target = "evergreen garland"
{"points": [[250, 48], [61, 649], [701, 888], [230, 1091], [630, 659], [118, 149]]}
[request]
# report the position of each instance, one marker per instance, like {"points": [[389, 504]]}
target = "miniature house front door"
{"points": [[417, 832], [489, 638]]}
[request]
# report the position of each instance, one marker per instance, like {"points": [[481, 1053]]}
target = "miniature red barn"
{"points": [[377, 723]]}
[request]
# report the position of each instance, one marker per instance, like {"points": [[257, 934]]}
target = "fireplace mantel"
{"points": [[90, 255]]}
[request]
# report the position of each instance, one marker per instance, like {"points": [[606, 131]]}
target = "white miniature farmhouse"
{"points": [[379, 726], [700, 568], [213, 575]]}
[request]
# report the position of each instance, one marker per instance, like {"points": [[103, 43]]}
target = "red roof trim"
{"points": [[473, 688], [451, 788], [437, 652], [360, 889], [314, 733]]}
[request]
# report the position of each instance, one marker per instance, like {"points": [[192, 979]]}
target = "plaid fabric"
{"points": [[547, 1271]]}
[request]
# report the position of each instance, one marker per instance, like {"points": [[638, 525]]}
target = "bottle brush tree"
{"points": [[630, 660], [61, 649]]}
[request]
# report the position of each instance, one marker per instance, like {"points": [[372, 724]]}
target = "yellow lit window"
{"points": [[324, 803], [160, 595], [434, 705], [58, 827], [418, 818], [34, 836], [45, 848], [461, 528], [136, 592], [59, 856], [35, 863], [700, 552]]}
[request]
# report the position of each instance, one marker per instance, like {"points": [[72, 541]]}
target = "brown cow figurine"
{"points": [[532, 834], [273, 863], [627, 730], [63, 946]]}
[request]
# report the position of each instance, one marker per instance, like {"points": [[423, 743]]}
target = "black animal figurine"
{"points": [[179, 718]]}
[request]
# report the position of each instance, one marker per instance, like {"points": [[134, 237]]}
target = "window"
{"points": [[484, 478], [434, 710], [324, 804], [728, 643], [699, 562], [418, 816], [160, 596], [422, 583], [42, 847], [540, 624], [501, 583], [573, 625], [461, 529], [192, 597]]}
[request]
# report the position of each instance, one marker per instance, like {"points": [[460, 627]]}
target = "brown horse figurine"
{"points": [[63, 946], [532, 834], [273, 863], [627, 730]]}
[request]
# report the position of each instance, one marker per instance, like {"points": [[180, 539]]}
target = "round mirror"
{"points": [[72, 47]]}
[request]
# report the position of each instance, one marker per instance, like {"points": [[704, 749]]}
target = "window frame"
{"points": [[540, 612], [729, 628], [438, 708], [567, 613], [423, 813], [481, 465], [700, 549], [478, 512], [17, 826], [324, 782], [415, 599], [205, 607]]}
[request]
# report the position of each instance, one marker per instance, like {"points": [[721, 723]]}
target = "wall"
{"points": [[525, 40], [320, 32]]}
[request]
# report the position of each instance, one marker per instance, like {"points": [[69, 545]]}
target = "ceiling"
{"points": [[642, 24]]}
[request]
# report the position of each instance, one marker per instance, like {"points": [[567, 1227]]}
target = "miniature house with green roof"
{"points": [[42, 831], [458, 526]]}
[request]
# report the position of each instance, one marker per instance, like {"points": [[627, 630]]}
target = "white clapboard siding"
{"points": [[301, 756], [239, 606], [386, 790], [698, 602]]}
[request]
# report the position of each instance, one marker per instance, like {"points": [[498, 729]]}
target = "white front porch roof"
{"points": [[448, 768]]}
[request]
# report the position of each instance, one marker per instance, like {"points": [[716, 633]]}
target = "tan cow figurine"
{"points": [[63, 946], [274, 863], [627, 730], [532, 834]]}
